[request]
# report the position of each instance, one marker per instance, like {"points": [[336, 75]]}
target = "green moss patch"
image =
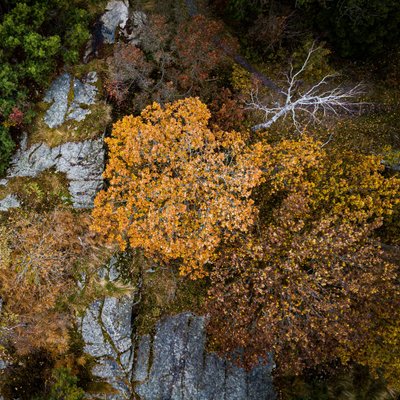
{"points": [[164, 292], [46, 191]]}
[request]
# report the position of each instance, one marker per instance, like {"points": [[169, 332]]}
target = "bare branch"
{"points": [[313, 102]]}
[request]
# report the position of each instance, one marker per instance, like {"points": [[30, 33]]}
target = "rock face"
{"points": [[172, 365], [58, 95], [182, 370], [107, 331], [83, 94], [116, 15], [83, 163]]}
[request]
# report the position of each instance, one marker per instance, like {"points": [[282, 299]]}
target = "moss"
{"points": [[164, 292], [46, 191], [80, 70], [71, 131], [71, 94]]}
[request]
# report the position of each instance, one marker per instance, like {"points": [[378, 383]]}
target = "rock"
{"points": [[84, 93], [91, 77], [62, 109], [142, 358], [135, 27], [82, 162], [116, 15], [259, 382], [181, 369], [8, 202], [58, 95], [171, 365], [107, 332]]}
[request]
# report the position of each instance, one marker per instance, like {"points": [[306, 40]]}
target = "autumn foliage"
{"points": [[310, 282], [288, 231], [177, 189], [198, 46]]}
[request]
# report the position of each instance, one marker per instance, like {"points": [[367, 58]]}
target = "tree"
{"points": [[197, 47], [6, 149], [307, 104], [381, 352], [127, 68], [356, 28], [177, 189], [34, 36], [168, 63], [309, 282]]}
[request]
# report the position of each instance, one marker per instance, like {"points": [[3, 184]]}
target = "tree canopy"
{"points": [[177, 188], [310, 282]]}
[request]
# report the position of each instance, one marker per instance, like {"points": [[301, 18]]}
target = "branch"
{"points": [[312, 102]]}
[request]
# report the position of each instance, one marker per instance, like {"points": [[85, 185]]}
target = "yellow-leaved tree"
{"points": [[177, 188]]}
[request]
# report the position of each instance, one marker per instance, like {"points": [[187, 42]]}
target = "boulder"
{"points": [[135, 27], [107, 331], [82, 162], [173, 364], [116, 16], [58, 95], [65, 108]]}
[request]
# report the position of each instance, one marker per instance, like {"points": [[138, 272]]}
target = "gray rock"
{"points": [[82, 162], [116, 15], [91, 77], [8, 202], [113, 273], [180, 368], [31, 162], [116, 318], [84, 93], [142, 359], [171, 365], [135, 27], [259, 383], [77, 113], [213, 379], [175, 365], [58, 94], [235, 383], [107, 332], [126, 359]]}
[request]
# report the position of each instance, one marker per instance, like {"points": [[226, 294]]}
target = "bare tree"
{"points": [[319, 100]]}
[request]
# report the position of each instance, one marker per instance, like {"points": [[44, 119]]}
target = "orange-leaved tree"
{"points": [[177, 188]]}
